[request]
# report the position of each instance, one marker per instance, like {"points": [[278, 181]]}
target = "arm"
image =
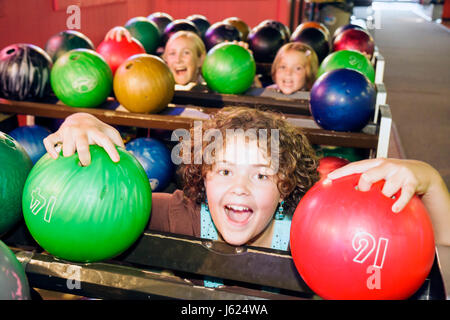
{"points": [[78, 131], [413, 177]]}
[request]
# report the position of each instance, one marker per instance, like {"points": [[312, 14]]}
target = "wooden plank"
{"points": [[315, 134], [142, 120], [217, 100]]}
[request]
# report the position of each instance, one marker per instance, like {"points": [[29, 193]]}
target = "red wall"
{"points": [[446, 10], [34, 21]]}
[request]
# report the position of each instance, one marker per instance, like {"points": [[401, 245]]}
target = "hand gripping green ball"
{"points": [[87, 214]]}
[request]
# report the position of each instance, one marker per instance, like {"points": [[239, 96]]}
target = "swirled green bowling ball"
{"points": [[87, 214], [229, 68], [81, 78], [349, 59], [145, 31]]}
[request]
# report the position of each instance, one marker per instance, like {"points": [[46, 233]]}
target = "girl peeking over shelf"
{"points": [[184, 54], [242, 179], [294, 68], [244, 172]]}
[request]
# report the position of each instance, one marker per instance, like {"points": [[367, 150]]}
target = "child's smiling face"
{"points": [[290, 75], [242, 192], [182, 58]]}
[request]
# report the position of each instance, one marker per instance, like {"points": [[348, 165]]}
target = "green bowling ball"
{"points": [[347, 59], [145, 31], [81, 78], [13, 280], [87, 214], [351, 154], [229, 68], [15, 164]]}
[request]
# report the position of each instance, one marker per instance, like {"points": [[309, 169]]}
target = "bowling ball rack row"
{"points": [[187, 107], [139, 272], [142, 271]]}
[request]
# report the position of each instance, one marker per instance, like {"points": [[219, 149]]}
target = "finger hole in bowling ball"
{"points": [[129, 66], [74, 57], [9, 140], [10, 51]]}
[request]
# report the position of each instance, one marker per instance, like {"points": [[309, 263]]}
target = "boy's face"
{"points": [[242, 192], [181, 57], [290, 74]]}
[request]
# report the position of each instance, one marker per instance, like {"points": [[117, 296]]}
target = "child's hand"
{"points": [[243, 44], [411, 176], [117, 33], [80, 130]]}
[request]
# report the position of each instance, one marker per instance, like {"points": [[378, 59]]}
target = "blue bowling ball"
{"points": [[342, 100], [155, 158], [31, 139]]}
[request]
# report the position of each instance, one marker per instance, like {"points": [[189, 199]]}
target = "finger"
{"points": [[374, 175], [49, 144], [393, 184], [118, 36], [128, 36], [103, 140], [407, 193], [354, 167], [68, 144], [109, 35], [82, 147], [115, 136]]}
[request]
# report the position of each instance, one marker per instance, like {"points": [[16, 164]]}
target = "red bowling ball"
{"points": [[329, 164], [115, 52], [355, 39], [348, 244]]}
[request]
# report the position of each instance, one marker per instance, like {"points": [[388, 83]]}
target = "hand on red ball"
{"points": [[117, 33]]}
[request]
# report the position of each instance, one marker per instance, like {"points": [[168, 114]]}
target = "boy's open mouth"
{"points": [[238, 214]]}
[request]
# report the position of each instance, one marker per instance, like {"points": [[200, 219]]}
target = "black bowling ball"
{"points": [[265, 41], [201, 22], [65, 41], [220, 32], [316, 39], [278, 25], [24, 72], [161, 20], [179, 25]]}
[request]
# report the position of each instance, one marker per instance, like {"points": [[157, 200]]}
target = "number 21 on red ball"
{"points": [[364, 244]]}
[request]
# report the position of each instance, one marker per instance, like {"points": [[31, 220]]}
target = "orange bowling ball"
{"points": [[144, 84], [313, 24], [239, 24]]}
